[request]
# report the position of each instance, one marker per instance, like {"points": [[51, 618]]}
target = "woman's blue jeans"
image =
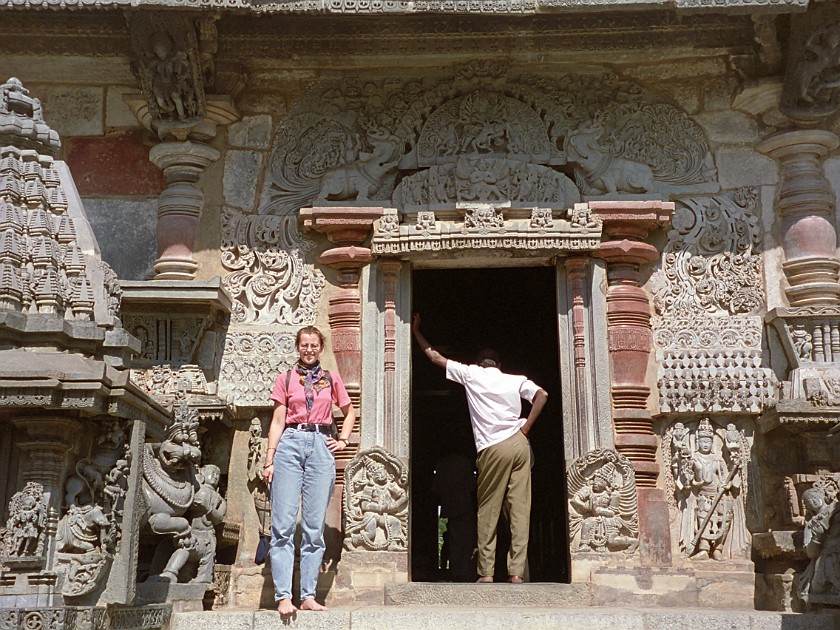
{"points": [[304, 477]]}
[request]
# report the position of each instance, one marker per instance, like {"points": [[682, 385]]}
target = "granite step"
{"points": [[503, 618]]}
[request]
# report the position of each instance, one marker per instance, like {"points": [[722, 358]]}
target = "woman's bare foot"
{"points": [[484, 579], [311, 604], [285, 607], [515, 579]]}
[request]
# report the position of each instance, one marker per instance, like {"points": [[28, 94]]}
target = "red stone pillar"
{"points": [[348, 228], [626, 225]]}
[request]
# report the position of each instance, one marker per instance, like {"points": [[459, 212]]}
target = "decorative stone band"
{"points": [[537, 233], [694, 381]]}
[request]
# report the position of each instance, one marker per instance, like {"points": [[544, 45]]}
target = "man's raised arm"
{"points": [[434, 356]]}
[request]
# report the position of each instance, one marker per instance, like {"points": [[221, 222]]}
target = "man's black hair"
{"points": [[488, 358]]}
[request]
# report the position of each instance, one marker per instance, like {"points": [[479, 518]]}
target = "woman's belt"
{"points": [[326, 429]]}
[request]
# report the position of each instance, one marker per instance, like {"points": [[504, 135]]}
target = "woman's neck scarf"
{"points": [[313, 379]]}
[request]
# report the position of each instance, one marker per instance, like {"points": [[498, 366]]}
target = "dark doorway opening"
{"points": [[512, 310]]}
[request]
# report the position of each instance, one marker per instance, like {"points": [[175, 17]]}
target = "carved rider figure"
{"points": [[599, 504]]}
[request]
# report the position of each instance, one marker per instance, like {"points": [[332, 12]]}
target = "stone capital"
{"points": [[345, 226], [634, 219]]}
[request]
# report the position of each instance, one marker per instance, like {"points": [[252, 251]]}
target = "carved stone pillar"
{"points": [[391, 274], [806, 206], [179, 206], [184, 117], [348, 228], [626, 224]]}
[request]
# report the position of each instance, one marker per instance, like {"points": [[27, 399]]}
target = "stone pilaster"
{"points": [[806, 207], [348, 228], [391, 274], [179, 206], [626, 225]]}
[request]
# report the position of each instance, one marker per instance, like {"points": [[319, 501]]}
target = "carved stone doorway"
{"points": [[513, 310]]}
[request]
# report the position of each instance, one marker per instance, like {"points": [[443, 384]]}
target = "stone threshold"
{"points": [[485, 618]]}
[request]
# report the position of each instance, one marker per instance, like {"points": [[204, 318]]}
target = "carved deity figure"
{"points": [[25, 530], [376, 503], [208, 510], [169, 74], [819, 71], [820, 582], [707, 490], [598, 504]]}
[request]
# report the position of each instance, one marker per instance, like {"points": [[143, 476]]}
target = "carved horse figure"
{"points": [[169, 487], [363, 177], [599, 172]]}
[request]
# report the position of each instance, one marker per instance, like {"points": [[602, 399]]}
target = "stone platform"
{"points": [[502, 618]]}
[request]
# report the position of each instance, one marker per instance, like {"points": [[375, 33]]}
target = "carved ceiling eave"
{"points": [[392, 7], [242, 37]]}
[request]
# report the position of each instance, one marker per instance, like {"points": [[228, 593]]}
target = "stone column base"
{"points": [[362, 576]]}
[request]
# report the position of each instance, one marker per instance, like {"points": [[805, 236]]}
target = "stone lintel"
{"points": [[799, 416], [632, 218], [343, 225], [163, 295]]}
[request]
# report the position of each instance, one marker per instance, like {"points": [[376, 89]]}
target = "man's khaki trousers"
{"points": [[504, 480]]}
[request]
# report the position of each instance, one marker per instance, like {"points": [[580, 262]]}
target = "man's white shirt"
{"points": [[494, 399]]}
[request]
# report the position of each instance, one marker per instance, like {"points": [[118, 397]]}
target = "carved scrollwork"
{"points": [[269, 279], [712, 262], [603, 507]]}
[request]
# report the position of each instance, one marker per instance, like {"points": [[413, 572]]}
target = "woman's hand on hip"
{"points": [[268, 473], [336, 445]]}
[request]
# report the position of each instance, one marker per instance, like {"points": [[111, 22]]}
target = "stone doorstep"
{"points": [[542, 618]]}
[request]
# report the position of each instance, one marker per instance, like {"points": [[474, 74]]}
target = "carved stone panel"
{"points": [[269, 279], [603, 506], [819, 583], [24, 538], [375, 502], [706, 476], [252, 360]]}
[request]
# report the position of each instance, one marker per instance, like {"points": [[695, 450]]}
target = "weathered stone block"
{"points": [[729, 127], [131, 257], [722, 588], [115, 165], [229, 620], [678, 69], [252, 132], [742, 167], [701, 618], [792, 621], [71, 110], [306, 620], [117, 113], [242, 170]]}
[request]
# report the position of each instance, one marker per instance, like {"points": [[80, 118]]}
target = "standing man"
{"points": [[504, 455]]}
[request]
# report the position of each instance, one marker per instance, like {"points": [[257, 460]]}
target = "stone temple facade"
{"points": [[635, 200]]}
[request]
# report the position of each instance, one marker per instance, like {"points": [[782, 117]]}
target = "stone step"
{"points": [[501, 618], [532, 595]]}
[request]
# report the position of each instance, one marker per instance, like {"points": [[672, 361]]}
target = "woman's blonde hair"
{"points": [[310, 330]]}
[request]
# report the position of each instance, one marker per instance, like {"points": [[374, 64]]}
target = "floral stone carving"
{"points": [[708, 488], [251, 362], [603, 508], [375, 502], [712, 262], [269, 280], [23, 540], [820, 582]]}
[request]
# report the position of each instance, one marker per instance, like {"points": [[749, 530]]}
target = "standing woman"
{"points": [[300, 461]]}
